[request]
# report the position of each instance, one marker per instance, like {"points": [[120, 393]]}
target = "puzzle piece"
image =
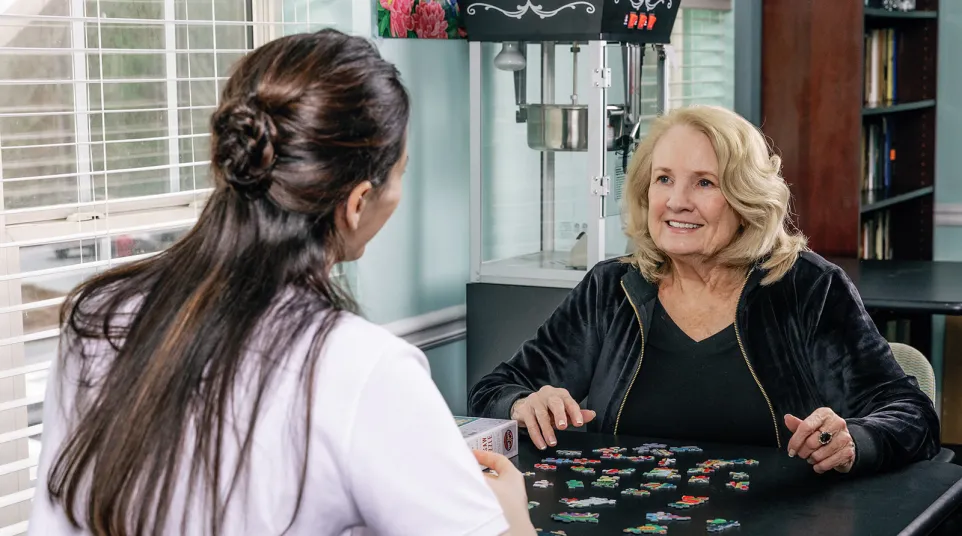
{"points": [[737, 486], [575, 484], [661, 453], [587, 503], [738, 475], [532, 504], [687, 449], [545, 467], [665, 517], [568, 453], [606, 481], [701, 471], [575, 517], [718, 524], [647, 529], [700, 480], [715, 464], [659, 486], [687, 501], [626, 472], [585, 461], [583, 470], [666, 462], [542, 484], [639, 459], [663, 473], [558, 461], [609, 450], [633, 492]]}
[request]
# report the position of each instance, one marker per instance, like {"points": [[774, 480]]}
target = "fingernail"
{"points": [[810, 461], [552, 442], [791, 453], [561, 423], [578, 422]]}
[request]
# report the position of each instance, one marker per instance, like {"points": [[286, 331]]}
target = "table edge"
{"points": [[914, 306], [936, 512]]}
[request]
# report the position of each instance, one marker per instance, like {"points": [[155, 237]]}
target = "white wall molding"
{"points": [[948, 214], [433, 329]]}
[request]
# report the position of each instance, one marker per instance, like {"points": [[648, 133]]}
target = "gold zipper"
{"points": [[641, 329], [778, 438]]}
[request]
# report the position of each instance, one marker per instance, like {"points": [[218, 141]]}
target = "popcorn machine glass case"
{"points": [[555, 96]]}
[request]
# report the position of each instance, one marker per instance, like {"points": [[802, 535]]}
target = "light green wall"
{"points": [[419, 262], [450, 373], [948, 159]]}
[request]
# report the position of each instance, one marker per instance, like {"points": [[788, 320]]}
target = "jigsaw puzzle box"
{"points": [[496, 435]]}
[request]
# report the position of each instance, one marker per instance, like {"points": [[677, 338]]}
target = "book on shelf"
{"points": [[881, 65], [875, 236], [878, 154]]}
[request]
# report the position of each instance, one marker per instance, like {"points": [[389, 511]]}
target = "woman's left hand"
{"points": [[822, 439]]}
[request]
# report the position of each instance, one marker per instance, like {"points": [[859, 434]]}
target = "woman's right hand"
{"points": [[507, 483], [548, 408]]}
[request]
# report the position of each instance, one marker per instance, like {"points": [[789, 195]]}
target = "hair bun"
{"points": [[245, 153]]}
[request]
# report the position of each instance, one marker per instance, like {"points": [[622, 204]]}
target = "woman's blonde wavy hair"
{"points": [[750, 180]]}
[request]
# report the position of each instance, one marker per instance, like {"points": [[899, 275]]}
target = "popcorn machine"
{"points": [[554, 118], [557, 105]]}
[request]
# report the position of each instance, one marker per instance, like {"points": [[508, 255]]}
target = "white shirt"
{"points": [[386, 455]]}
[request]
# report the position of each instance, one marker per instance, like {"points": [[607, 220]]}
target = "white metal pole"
{"points": [[548, 157], [475, 141], [597, 130]]}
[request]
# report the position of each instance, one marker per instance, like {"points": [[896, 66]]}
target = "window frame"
{"points": [[92, 219]]}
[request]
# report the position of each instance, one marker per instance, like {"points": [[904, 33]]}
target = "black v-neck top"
{"points": [[695, 391]]}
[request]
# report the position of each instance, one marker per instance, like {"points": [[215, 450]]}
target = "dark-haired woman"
{"points": [[225, 386]]}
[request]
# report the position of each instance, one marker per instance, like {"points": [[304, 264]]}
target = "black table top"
{"points": [[908, 286], [785, 496]]}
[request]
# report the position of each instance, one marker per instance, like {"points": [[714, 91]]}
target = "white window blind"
{"points": [[701, 64], [104, 147]]}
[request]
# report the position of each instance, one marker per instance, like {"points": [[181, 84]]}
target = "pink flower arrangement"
{"points": [[421, 19], [430, 21]]}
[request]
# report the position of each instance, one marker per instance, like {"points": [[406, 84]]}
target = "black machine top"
{"points": [[625, 21]]}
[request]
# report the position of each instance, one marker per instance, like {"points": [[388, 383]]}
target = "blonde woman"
{"points": [[721, 326]]}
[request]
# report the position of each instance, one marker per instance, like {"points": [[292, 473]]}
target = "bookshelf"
{"points": [[848, 100]]}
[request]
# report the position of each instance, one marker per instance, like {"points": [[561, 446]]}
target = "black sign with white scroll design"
{"points": [[627, 21]]}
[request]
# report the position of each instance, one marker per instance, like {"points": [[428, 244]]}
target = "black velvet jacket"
{"points": [[806, 339]]}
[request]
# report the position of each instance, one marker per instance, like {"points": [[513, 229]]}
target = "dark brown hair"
{"points": [[301, 122]]}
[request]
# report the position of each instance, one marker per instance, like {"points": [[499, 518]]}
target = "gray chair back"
{"points": [[914, 363]]}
